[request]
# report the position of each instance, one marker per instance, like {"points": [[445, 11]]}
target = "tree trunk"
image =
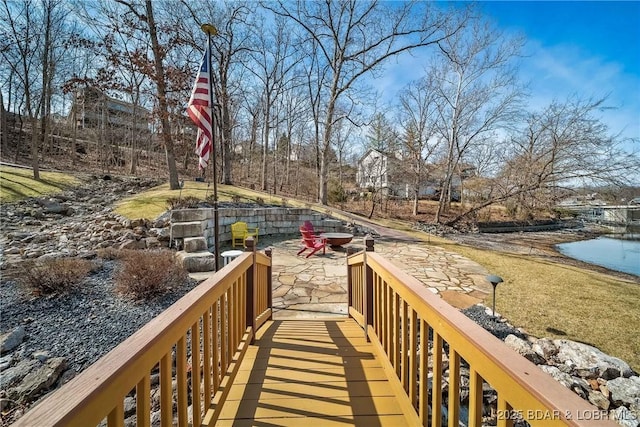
{"points": [[162, 99], [19, 140], [373, 205], [225, 144], [3, 126], [35, 161], [265, 143], [326, 143], [134, 128], [287, 172], [75, 133], [185, 161]]}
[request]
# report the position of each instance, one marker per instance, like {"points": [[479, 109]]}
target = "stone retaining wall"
{"points": [[270, 221]]}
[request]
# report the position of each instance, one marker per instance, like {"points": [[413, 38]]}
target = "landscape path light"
{"points": [[494, 280]]}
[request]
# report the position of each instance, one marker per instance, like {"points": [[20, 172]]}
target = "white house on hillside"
{"points": [[373, 169], [384, 172]]}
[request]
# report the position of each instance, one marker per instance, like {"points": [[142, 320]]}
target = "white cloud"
{"points": [[563, 70], [554, 72]]}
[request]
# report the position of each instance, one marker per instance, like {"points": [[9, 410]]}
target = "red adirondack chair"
{"points": [[308, 225], [311, 241]]}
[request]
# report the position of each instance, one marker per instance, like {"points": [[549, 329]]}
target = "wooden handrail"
{"points": [[405, 317], [206, 332]]}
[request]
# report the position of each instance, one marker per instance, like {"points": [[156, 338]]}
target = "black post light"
{"points": [[494, 280]]}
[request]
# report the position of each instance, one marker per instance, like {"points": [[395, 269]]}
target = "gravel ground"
{"points": [[84, 324], [498, 327]]}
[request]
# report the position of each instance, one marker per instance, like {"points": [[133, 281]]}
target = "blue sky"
{"points": [[588, 48], [583, 48]]}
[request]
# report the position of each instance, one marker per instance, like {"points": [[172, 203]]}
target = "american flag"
{"points": [[199, 109]]}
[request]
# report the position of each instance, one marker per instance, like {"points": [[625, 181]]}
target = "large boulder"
{"points": [[589, 362], [523, 348], [39, 380], [562, 377], [11, 339], [624, 391], [624, 417], [13, 375], [545, 348]]}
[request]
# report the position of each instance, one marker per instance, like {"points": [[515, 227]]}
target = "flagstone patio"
{"points": [[317, 286]]}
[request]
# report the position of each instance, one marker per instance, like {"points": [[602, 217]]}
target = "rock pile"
{"points": [[605, 381], [77, 222]]}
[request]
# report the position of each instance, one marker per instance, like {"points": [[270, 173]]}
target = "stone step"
{"points": [[197, 261], [180, 230], [190, 215], [194, 244]]}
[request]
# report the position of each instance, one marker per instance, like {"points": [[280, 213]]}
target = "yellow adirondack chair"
{"points": [[240, 231]]}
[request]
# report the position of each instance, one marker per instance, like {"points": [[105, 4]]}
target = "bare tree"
{"points": [[316, 78], [561, 147], [341, 143], [252, 106], [18, 51], [128, 56], [353, 39], [120, 46], [4, 126], [144, 12], [273, 59], [418, 121], [477, 93], [564, 145], [29, 29], [295, 114]]}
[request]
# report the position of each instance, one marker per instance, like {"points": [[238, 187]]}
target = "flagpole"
{"points": [[212, 31]]}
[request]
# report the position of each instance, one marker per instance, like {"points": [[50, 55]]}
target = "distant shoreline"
{"points": [[541, 244]]}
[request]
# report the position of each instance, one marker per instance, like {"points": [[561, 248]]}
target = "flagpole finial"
{"points": [[209, 29]]}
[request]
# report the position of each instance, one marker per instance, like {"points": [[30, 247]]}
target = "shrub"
{"points": [[183, 202], [209, 199], [108, 254], [337, 194], [54, 275], [146, 274]]}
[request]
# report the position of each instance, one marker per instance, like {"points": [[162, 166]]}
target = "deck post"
{"points": [[269, 252], [250, 246], [367, 292], [350, 251]]}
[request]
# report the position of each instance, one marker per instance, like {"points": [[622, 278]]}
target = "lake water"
{"points": [[620, 254]]}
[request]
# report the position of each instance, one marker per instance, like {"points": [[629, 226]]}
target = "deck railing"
{"points": [[192, 351], [418, 337]]}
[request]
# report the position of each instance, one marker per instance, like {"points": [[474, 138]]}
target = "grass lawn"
{"points": [[152, 203], [18, 183], [548, 299]]}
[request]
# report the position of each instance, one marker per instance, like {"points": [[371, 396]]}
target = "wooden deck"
{"points": [[311, 372]]}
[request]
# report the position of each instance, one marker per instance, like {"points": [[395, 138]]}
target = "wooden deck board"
{"points": [[311, 372], [358, 421]]}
